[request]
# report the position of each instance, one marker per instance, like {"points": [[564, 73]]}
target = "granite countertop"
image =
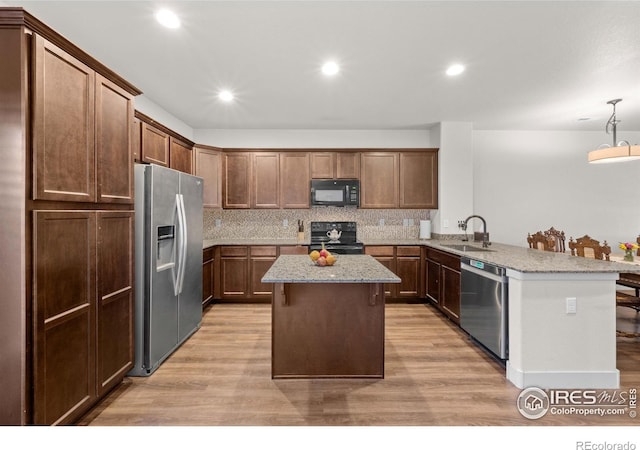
{"points": [[521, 259], [347, 269]]}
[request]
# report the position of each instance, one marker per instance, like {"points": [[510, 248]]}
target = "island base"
{"points": [[327, 330]]}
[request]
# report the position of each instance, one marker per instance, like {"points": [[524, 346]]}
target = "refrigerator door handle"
{"points": [[179, 245], [182, 256]]}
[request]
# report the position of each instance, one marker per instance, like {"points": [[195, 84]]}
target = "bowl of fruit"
{"points": [[323, 257]]}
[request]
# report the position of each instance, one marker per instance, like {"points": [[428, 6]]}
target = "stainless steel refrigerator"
{"points": [[168, 242]]}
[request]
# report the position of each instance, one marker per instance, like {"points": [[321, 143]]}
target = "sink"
{"points": [[467, 248]]}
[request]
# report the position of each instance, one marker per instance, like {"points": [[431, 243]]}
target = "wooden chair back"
{"points": [[539, 241], [588, 247], [558, 239]]}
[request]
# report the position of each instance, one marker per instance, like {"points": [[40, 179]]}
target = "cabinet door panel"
{"points": [[322, 164], [180, 156], [294, 175], [348, 165], [451, 293], [64, 315], [115, 298], [208, 165], [233, 277], [408, 269], [155, 145], [433, 280], [379, 180], [114, 116], [63, 125], [266, 180], [419, 180], [237, 179], [259, 267]]}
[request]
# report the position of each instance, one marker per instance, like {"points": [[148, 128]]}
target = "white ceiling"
{"points": [[537, 65]]}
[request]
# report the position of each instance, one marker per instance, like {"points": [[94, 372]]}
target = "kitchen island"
{"points": [[561, 315], [328, 322]]}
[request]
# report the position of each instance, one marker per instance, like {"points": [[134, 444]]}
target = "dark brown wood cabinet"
{"points": [[265, 180], [443, 282], [294, 180], [82, 131], [341, 164], [208, 266], [406, 263], [66, 124], [154, 145], [379, 180], [83, 309], [180, 155], [418, 179], [241, 271], [236, 190], [208, 165], [406, 180]]}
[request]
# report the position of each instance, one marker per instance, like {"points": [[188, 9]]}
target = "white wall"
{"points": [[526, 181], [160, 115], [313, 138], [455, 176]]}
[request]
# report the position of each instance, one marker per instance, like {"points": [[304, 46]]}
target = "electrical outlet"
{"points": [[285, 222], [445, 223], [405, 222], [410, 222], [572, 305], [381, 222], [218, 223]]}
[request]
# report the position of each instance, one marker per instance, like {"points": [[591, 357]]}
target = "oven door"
{"points": [[340, 249]]}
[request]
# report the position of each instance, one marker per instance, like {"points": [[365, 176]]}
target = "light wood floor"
{"points": [[434, 375]]}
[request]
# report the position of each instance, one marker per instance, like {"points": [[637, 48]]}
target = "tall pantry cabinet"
{"points": [[66, 267]]}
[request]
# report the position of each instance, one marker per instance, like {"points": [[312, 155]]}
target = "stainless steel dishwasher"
{"points": [[484, 304]]}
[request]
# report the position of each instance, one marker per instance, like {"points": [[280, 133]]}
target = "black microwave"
{"points": [[335, 193]]}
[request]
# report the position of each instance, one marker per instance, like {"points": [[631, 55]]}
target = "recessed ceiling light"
{"points": [[225, 96], [167, 18], [455, 69], [583, 119], [330, 68]]}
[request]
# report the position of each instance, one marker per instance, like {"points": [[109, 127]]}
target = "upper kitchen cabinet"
{"points": [[160, 145], [405, 179], [180, 155], [294, 180], [82, 134], [379, 180], [343, 164], [251, 180], [266, 180], [418, 180], [208, 165]]}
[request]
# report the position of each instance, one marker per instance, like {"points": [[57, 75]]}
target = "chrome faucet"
{"points": [[485, 237]]}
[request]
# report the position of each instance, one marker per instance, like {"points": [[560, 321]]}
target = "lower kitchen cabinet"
{"points": [[443, 282], [241, 270], [208, 265], [405, 262], [83, 309]]}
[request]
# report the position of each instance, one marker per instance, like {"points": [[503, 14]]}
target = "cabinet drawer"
{"points": [[379, 250], [444, 258], [234, 250], [207, 254], [408, 251], [263, 250]]}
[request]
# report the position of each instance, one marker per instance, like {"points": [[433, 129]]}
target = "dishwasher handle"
{"points": [[483, 273]]}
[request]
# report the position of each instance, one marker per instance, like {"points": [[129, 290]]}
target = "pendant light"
{"points": [[618, 152]]}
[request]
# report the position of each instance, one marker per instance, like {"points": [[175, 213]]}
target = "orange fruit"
{"points": [[330, 260], [314, 255]]}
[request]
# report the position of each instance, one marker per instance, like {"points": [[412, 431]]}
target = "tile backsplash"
{"points": [[283, 223]]}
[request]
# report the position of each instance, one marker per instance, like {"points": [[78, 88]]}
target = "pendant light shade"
{"points": [[620, 151]]}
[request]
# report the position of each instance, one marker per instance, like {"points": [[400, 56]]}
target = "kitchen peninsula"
{"points": [[328, 321]]}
